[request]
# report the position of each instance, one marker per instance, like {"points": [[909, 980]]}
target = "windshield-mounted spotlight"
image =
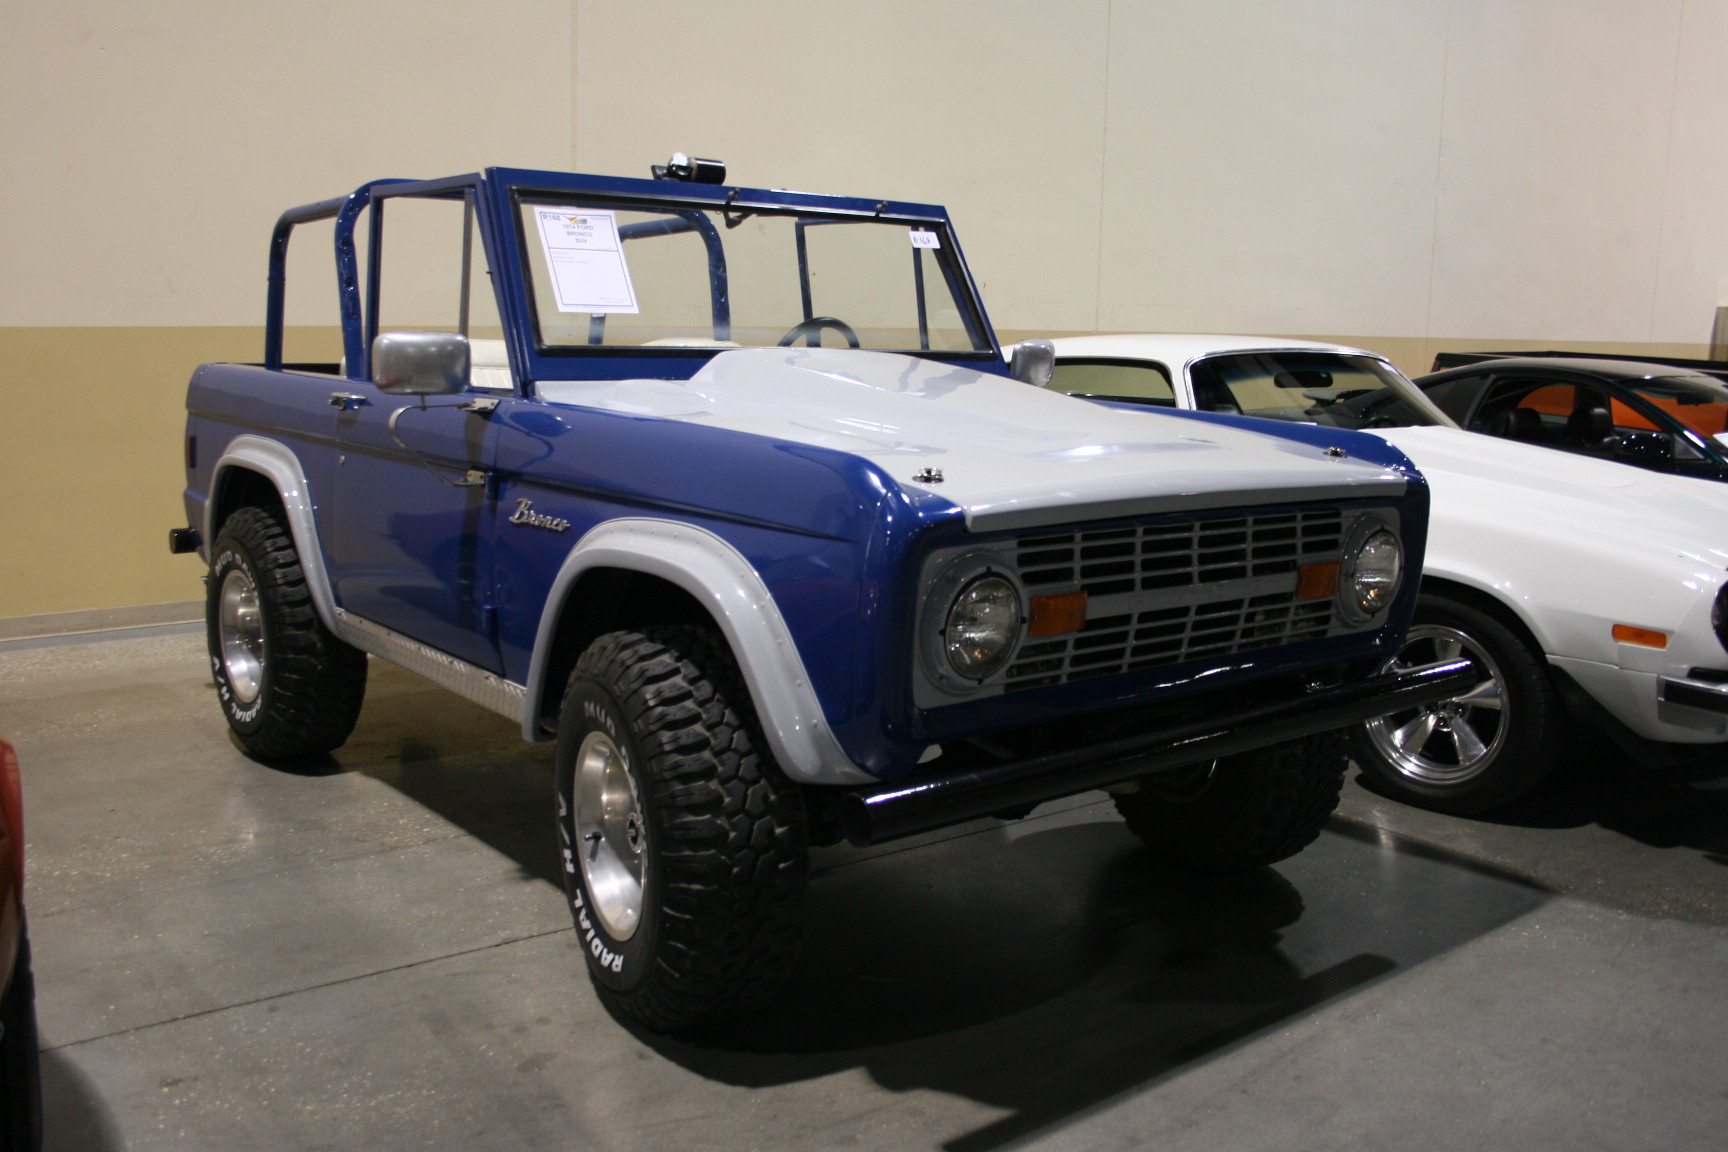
{"points": [[691, 169]]}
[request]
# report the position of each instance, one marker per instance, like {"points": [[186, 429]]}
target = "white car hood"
{"points": [[1011, 455], [1569, 496]]}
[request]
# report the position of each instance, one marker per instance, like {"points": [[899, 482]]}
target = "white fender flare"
{"points": [[719, 577], [278, 464]]}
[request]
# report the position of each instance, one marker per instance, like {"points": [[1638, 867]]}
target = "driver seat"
{"points": [[1517, 424]]}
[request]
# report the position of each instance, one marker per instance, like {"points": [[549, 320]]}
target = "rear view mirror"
{"points": [[1033, 362], [420, 363]]}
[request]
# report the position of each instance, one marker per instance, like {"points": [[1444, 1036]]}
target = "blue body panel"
{"points": [[804, 517], [228, 400], [409, 545]]}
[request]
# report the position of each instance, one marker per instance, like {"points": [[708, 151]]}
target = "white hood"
{"points": [[1011, 455], [1475, 478]]}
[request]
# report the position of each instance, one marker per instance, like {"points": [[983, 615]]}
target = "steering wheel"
{"points": [[810, 331]]}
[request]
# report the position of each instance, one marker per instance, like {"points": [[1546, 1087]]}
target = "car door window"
{"points": [[1456, 396], [433, 277], [1571, 416], [1137, 381]]}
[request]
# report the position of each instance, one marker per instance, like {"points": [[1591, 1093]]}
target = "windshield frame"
{"points": [[507, 189], [1396, 380]]}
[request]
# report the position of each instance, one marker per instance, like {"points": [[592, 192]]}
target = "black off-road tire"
{"points": [[20, 1060], [1239, 812], [697, 812], [305, 694], [1513, 720]]}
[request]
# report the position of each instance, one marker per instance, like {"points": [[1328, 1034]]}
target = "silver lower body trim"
{"points": [[1696, 704], [476, 684]]}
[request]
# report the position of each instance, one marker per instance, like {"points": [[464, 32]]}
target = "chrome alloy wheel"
{"points": [[1450, 741], [240, 632], [613, 844]]}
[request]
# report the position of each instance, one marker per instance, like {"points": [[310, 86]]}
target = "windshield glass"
{"points": [[1330, 388], [692, 277], [1696, 402]]}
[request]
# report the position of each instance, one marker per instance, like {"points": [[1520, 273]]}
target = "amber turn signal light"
{"points": [[1314, 581], [1057, 615], [1643, 637]]}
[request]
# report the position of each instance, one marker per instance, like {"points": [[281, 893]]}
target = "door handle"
{"points": [[347, 401]]}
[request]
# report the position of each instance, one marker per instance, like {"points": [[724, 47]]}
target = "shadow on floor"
{"points": [[74, 1119], [1600, 785], [965, 967], [1040, 968]]}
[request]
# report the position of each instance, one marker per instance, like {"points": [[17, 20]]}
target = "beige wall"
{"points": [[148, 149], [96, 477], [1409, 176]]}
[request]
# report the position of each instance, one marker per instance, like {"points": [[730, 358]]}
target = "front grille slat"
{"points": [[1177, 559]]}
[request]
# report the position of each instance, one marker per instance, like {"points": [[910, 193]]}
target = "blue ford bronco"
{"points": [[732, 493]]}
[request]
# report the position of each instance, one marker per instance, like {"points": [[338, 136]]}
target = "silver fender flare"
{"points": [[724, 583], [277, 463]]}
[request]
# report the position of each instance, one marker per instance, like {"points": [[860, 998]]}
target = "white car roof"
{"points": [[1175, 349]]}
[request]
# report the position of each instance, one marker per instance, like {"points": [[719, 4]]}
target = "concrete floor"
{"points": [[375, 955]]}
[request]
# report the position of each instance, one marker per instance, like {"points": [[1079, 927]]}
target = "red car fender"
{"points": [[11, 859]]}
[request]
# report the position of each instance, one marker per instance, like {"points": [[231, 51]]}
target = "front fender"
{"points": [[719, 577], [1569, 583]]}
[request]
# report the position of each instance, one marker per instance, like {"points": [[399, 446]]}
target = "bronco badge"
{"points": [[525, 514]]}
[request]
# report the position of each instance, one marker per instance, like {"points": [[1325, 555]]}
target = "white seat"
{"points": [[489, 365]]}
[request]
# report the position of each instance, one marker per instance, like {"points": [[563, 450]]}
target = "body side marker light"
{"points": [[1057, 615], [1643, 637], [1314, 581]]}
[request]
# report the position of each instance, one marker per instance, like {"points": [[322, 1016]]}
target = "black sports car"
{"points": [[1669, 417]]}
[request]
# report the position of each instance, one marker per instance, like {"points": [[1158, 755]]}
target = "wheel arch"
{"points": [[257, 472], [631, 571], [1488, 603], [605, 599]]}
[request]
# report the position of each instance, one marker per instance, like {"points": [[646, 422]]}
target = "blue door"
{"points": [[413, 520]]}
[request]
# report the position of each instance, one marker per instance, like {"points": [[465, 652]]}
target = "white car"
{"points": [[1584, 590]]}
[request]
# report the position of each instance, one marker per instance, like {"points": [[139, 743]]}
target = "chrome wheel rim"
{"points": [[611, 835], [1451, 741], [240, 633]]}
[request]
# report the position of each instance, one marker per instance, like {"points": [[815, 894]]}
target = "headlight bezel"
{"points": [[1365, 533], [943, 591], [988, 594]]}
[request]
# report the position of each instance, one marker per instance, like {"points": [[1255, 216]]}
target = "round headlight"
{"points": [[1719, 616], [1375, 572], [983, 624]]}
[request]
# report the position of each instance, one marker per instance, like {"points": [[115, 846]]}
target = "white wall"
{"points": [[1547, 170], [1540, 169], [995, 108], [148, 147]]}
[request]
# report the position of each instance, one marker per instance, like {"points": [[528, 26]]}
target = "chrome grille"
{"points": [[1168, 592]]}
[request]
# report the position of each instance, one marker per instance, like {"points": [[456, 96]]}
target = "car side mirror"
{"points": [[420, 363], [1033, 362]]}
